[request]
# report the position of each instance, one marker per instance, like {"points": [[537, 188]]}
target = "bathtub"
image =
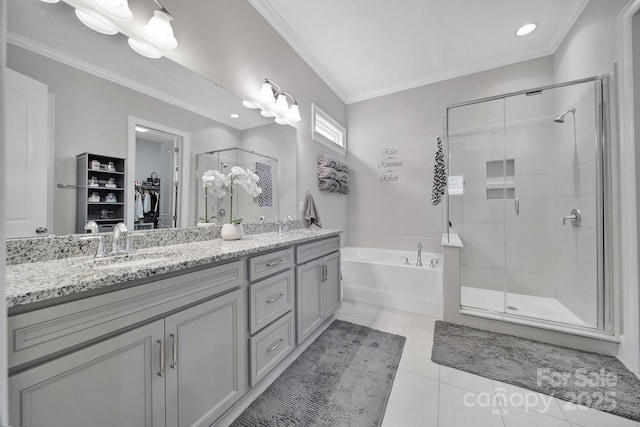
{"points": [[380, 277]]}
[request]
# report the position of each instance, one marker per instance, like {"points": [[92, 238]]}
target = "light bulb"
{"points": [[160, 30], [281, 104], [266, 94], [115, 9], [294, 114], [144, 49], [96, 22]]}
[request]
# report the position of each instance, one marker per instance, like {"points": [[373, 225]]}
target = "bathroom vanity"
{"points": [[166, 336]]}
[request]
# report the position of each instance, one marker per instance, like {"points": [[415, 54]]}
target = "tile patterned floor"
{"points": [[425, 394]]}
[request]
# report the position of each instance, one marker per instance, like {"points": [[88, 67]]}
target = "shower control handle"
{"points": [[516, 206], [575, 218]]}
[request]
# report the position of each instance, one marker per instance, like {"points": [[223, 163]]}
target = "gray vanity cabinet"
{"points": [[196, 356], [112, 383], [205, 360], [318, 285]]}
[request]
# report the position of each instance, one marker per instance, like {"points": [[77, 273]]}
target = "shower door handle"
{"points": [[516, 206]]}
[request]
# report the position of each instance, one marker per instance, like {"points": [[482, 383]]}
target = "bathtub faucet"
{"points": [[419, 262]]}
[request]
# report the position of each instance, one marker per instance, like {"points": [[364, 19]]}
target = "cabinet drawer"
{"points": [[270, 346], [270, 299], [40, 333], [271, 263], [315, 250]]}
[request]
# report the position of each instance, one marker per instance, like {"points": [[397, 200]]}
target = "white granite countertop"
{"points": [[39, 281]]}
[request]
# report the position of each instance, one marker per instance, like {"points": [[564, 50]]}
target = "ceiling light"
{"points": [[272, 101], [234, 116], [141, 129], [160, 30], [96, 22], [526, 29], [144, 49], [50, 1], [115, 9]]}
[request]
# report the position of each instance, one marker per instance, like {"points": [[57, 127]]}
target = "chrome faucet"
{"points": [[119, 229], [92, 227], [419, 262], [284, 225]]}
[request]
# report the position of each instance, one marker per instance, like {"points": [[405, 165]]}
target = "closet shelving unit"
{"points": [[105, 213]]}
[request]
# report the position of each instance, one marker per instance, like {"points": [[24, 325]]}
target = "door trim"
{"points": [[184, 158]]}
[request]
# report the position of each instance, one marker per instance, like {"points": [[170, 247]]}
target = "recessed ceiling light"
{"points": [[526, 29], [234, 116], [141, 129]]}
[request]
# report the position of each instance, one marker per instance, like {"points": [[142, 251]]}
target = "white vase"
{"points": [[232, 231]]}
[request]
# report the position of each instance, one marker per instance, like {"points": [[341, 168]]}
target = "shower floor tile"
{"points": [[523, 305]]}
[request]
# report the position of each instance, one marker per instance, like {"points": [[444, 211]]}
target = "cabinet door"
{"points": [[112, 383], [331, 284], [309, 299], [206, 351]]}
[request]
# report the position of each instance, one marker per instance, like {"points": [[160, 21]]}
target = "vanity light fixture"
{"points": [[272, 101], [115, 9], [159, 28], [104, 15], [526, 29], [96, 22]]}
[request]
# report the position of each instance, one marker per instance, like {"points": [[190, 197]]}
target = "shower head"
{"points": [[560, 118]]}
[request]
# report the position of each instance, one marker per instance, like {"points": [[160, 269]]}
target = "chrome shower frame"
{"points": [[604, 221]]}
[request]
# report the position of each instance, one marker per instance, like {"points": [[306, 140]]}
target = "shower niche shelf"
{"points": [[501, 179]]}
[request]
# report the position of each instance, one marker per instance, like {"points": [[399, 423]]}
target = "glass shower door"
{"points": [[551, 230]]}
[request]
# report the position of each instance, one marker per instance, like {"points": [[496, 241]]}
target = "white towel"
{"points": [[310, 212]]}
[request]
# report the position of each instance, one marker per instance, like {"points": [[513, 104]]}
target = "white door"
{"points": [[27, 156], [168, 187]]}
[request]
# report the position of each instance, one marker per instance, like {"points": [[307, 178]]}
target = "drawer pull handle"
{"points": [[276, 262], [174, 352], [274, 299], [278, 344], [161, 372]]}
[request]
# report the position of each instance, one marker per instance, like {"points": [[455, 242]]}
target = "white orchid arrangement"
{"points": [[215, 182]]}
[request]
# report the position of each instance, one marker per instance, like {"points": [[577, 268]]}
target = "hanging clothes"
{"points": [[439, 175], [139, 209], [146, 202]]}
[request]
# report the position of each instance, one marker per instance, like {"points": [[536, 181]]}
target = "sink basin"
{"points": [[129, 260]]}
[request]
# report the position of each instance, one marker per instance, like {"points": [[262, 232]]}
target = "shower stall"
{"points": [[264, 208], [528, 183]]}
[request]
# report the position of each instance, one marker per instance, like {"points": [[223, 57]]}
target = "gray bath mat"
{"points": [[589, 379], [342, 379]]}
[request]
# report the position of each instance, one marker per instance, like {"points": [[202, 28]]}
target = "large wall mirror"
{"points": [[100, 98]]}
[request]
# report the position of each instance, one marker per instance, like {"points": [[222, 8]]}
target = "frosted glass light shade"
{"points": [[266, 94], [96, 22], [280, 121], [144, 49], [250, 104], [115, 9], [281, 105], [267, 113], [160, 31], [294, 114]]}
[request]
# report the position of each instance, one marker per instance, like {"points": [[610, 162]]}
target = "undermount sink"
{"points": [[129, 260]]}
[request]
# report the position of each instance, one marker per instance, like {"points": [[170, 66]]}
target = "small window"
{"points": [[327, 131]]}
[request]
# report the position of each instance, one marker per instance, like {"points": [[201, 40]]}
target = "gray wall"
{"points": [[241, 50], [399, 214], [148, 159]]}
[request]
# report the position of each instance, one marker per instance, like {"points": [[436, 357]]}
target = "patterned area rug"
{"points": [[589, 379], [343, 378]]}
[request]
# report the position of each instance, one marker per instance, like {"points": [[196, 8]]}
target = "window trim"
{"points": [[320, 118]]}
